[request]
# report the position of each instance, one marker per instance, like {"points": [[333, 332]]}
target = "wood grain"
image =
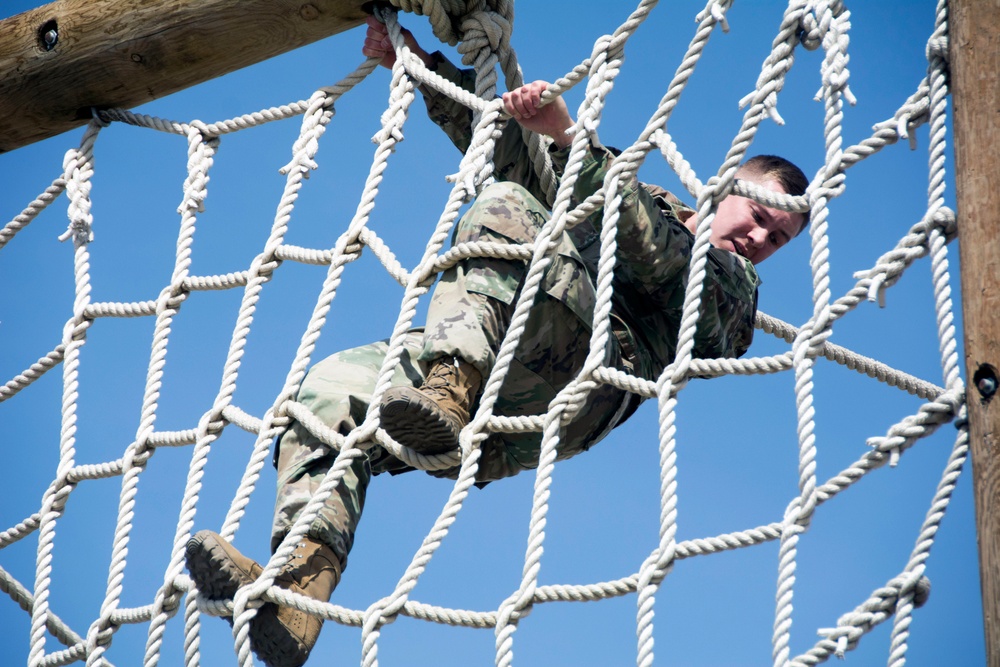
{"points": [[974, 55], [59, 61]]}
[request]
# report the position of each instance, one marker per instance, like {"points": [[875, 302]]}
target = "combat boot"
{"points": [[279, 636], [428, 419]]}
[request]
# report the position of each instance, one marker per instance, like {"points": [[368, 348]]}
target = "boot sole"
{"points": [[214, 568], [272, 642], [218, 577], [415, 421]]}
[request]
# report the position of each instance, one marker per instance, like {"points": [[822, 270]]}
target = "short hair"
{"points": [[791, 178]]}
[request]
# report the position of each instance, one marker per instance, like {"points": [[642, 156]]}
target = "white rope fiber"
{"points": [[482, 30]]}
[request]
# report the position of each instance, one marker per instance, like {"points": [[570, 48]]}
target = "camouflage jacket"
{"points": [[654, 247]]}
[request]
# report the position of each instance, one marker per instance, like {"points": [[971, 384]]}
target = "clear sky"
{"points": [[737, 445]]}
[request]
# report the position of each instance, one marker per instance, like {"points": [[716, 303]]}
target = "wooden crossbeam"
{"points": [[61, 60]]}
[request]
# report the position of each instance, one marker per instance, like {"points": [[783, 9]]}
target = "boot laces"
{"points": [[444, 382]]}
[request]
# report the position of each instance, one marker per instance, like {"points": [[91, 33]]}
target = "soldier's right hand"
{"points": [[378, 45], [524, 104]]}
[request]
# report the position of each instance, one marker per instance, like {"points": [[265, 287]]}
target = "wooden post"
{"points": [[974, 44], [59, 61]]}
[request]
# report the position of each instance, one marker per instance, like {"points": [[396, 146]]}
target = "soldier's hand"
{"points": [[378, 45], [553, 119]]}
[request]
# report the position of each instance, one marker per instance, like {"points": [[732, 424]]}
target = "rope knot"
{"points": [[937, 47], [202, 144], [832, 186], [717, 10], [919, 585], [78, 167], [482, 31], [171, 298], [817, 18], [382, 612], [98, 117], [950, 403], [442, 15], [101, 633], [494, 27], [833, 29], [809, 36], [172, 601], [717, 188], [608, 51], [80, 230], [390, 129], [281, 417], [76, 328], [466, 184], [944, 219], [199, 128], [64, 486], [573, 398], [143, 453], [265, 263]]}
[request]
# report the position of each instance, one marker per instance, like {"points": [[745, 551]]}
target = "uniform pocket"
{"points": [[567, 280], [508, 214]]}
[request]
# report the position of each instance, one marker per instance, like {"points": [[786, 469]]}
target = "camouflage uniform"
{"points": [[471, 309]]}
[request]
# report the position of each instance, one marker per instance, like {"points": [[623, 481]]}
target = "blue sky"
{"points": [[737, 446]]}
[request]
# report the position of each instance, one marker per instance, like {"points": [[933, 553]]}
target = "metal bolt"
{"points": [[48, 35], [987, 386]]}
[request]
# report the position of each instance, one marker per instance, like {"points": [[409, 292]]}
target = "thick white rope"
{"points": [[832, 26], [482, 29], [78, 169]]}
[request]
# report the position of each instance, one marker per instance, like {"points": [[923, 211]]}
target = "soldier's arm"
{"points": [[511, 157], [453, 117], [654, 248]]}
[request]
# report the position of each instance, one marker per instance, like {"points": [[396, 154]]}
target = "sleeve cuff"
{"points": [[444, 67], [595, 165], [560, 156]]}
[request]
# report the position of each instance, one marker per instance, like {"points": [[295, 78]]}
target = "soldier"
{"points": [[437, 382]]}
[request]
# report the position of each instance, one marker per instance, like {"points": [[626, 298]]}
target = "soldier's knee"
{"points": [[504, 190], [505, 193]]}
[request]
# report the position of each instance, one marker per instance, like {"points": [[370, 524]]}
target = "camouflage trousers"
{"points": [[468, 317]]}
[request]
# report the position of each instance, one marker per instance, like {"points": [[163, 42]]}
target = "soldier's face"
{"points": [[753, 230]]}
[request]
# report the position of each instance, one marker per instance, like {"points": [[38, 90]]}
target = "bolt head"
{"points": [[987, 386]]}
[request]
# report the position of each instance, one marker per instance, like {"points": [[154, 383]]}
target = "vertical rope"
{"points": [[78, 168], [201, 152], [937, 51]]}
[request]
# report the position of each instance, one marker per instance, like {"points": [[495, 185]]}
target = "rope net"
{"points": [[482, 32]]}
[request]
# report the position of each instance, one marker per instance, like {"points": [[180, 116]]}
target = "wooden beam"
{"points": [[59, 61], [974, 44]]}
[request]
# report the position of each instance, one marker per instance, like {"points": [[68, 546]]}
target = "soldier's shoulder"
{"points": [[734, 274], [665, 199]]}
